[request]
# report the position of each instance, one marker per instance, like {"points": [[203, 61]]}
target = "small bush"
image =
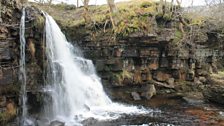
{"points": [[178, 36], [146, 4]]}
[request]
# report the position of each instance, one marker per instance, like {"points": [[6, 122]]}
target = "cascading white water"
{"points": [[76, 90], [22, 63]]}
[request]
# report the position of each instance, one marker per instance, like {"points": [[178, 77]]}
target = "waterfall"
{"points": [[22, 63], [76, 90]]}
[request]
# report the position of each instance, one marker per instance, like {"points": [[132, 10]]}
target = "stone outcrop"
{"points": [[9, 67], [162, 54], [215, 93], [10, 85], [164, 57], [214, 90], [140, 60]]}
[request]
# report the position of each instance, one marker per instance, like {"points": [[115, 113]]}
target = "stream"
{"points": [[170, 112]]}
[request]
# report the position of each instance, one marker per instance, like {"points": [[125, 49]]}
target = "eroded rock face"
{"points": [[9, 86], [10, 11], [136, 61]]}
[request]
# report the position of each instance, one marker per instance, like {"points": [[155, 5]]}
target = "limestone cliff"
{"points": [[176, 53], [10, 84]]}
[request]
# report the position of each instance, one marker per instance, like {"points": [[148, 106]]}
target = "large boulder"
{"points": [[214, 93], [57, 123], [135, 96], [150, 91]]}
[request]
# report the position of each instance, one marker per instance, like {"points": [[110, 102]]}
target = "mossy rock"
{"points": [[9, 114], [167, 17], [164, 17], [146, 4], [178, 35], [10, 89], [119, 77], [39, 22]]}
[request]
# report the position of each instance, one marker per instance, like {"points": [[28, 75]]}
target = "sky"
{"points": [[185, 3]]}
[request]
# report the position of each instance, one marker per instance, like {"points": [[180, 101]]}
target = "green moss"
{"points": [[195, 19], [127, 74], [117, 78], [164, 17], [218, 75], [4, 118], [133, 20], [134, 17], [65, 6], [167, 17], [131, 16], [177, 36], [146, 4], [159, 15], [39, 22], [122, 75], [12, 88]]}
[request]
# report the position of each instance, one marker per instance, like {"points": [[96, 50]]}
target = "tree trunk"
{"points": [[179, 2], [0, 12], [113, 10], [86, 11], [171, 7], [50, 2], [77, 3], [112, 6], [160, 6], [24, 1]]}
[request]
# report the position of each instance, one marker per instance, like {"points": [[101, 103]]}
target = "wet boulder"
{"points": [[214, 93], [149, 92], [89, 121], [135, 96], [57, 123], [171, 81]]}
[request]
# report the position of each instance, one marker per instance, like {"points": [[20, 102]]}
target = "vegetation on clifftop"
{"points": [[136, 16], [133, 16]]}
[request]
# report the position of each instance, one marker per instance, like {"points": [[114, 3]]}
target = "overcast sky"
{"points": [[185, 3]]}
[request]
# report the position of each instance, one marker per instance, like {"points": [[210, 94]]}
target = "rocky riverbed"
{"points": [[166, 111]]}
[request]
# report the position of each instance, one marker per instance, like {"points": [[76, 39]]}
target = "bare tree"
{"points": [[160, 6], [192, 3], [0, 12], [86, 11], [113, 9], [77, 3], [23, 1], [179, 2], [50, 2], [171, 6], [112, 6], [39, 1]]}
